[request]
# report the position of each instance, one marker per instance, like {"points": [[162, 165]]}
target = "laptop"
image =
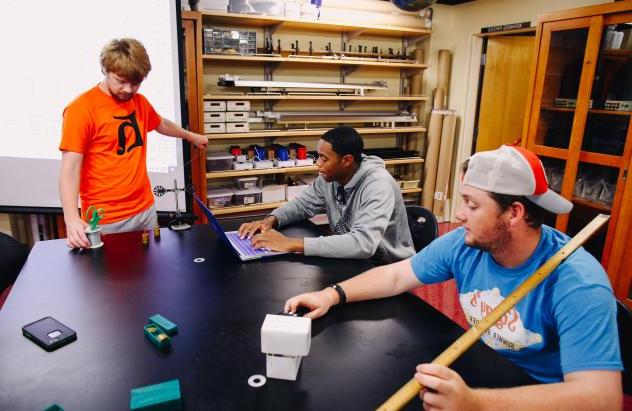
{"points": [[243, 247]]}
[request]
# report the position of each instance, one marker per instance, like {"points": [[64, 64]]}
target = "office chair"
{"points": [[422, 225], [624, 320], [12, 258]]}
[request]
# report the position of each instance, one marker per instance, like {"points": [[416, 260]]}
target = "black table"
{"points": [[360, 353]]}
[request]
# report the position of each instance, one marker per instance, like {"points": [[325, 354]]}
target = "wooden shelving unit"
{"points": [[276, 67]]}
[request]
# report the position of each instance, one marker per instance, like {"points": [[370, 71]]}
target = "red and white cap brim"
{"points": [[515, 171]]}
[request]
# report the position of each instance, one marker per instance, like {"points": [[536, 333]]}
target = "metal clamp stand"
{"points": [[178, 223]]}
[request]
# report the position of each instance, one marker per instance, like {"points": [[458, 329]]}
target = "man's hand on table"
{"points": [[319, 302], [273, 240], [75, 233], [247, 230]]}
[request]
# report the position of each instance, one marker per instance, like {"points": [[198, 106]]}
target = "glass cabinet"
{"points": [[579, 122]]}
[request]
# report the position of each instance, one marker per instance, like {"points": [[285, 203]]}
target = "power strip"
{"points": [[618, 105], [242, 166], [284, 163], [264, 164], [306, 162]]}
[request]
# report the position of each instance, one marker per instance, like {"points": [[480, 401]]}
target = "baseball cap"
{"points": [[516, 171]]}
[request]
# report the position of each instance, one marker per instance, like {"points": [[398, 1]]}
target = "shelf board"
{"points": [[546, 151], [354, 119], [253, 20], [590, 157], [591, 204], [610, 112], [590, 110], [268, 206], [619, 53], [411, 190], [311, 97], [552, 108], [295, 170], [311, 132], [250, 207], [258, 59], [602, 159]]}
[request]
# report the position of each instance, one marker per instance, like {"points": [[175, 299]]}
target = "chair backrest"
{"points": [[624, 320], [422, 225], [12, 258]]}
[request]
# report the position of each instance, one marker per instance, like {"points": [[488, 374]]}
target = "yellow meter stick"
{"points": [[447, 357]]}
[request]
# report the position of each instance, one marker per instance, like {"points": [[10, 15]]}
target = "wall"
{"points": [[453, 29]]}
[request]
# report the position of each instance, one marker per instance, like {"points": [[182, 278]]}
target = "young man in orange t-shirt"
{"points": [[104, 146]]}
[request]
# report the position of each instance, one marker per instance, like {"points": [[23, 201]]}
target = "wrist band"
{"points": [[341, 293]]}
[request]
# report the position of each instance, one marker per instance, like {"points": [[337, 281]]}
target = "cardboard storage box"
{"points": [[214, 128], [237, 116], [215, 105], [273, 193], [237, 127], [214, 117], [238, 105]]}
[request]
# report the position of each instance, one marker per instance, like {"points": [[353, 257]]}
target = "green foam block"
{"points": [[157, 336], [164, 396], [167, 326]]}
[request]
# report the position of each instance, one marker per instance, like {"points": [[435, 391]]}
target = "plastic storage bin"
{"points": [[248, 196], [219, 197], [245, 183], [218, 161]]}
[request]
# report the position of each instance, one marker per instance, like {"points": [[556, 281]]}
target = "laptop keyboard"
{"points": [[244, 245]]}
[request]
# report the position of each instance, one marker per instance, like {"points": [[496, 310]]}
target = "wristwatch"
{"points": [[341, 293]]}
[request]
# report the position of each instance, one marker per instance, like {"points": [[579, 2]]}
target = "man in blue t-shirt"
{"points": [[563, 333]]}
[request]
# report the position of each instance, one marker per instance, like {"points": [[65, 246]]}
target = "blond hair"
{"points": [[126, 58]]}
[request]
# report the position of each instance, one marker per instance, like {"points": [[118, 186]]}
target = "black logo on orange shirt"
{"points": [[131, 122]]}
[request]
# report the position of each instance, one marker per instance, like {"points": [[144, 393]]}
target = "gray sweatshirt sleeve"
{"points": [[309, 203], [369, 224]]}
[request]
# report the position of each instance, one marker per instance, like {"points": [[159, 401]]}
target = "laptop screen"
{"points": [[212, 220]]}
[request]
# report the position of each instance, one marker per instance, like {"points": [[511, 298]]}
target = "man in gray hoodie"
{"points": [[363, 203]]}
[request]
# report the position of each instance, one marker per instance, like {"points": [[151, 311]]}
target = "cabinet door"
{"points": [[562, 67], [605, 144], [580, 120], [564, 73]]}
